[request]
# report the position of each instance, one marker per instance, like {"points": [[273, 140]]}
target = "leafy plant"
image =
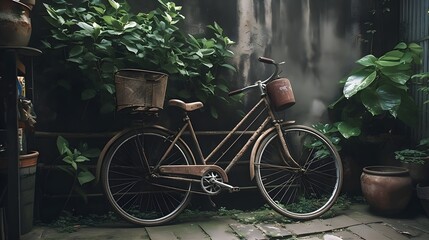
{"points": [[419, 155], [98, 37], [74, 158], [331, 132], [377, 90]]}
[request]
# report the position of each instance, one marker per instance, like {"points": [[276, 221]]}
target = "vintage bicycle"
{"points": [[148, 173]]}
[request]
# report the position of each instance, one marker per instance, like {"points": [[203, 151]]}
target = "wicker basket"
{"points": [[140, 90], [280, 93]]}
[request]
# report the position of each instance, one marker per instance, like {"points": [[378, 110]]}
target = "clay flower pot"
{"points": [[387, 189], [15, 23]]}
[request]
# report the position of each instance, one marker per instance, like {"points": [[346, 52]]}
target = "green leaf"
{"points": [[74, 165], [401, 46], [76, 50], [408, 111], [81, 158], [130, 25], [108, 19], [390, 98], [414, 47], [114, 4], [394, 55], [358, 81], [385, 63], [63, 145], [396, 75], [368, 60], [85, 26], [349, 129], [109, 88], [85, 177], [99, 10], [371, 101]]}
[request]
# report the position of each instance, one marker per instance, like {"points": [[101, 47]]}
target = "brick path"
{"points": [[357, 223]]}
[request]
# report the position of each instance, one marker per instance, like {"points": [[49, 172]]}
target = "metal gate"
{"points": [[415, 26]]}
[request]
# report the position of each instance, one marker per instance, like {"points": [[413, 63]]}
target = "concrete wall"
{"points": [[318, 40]]}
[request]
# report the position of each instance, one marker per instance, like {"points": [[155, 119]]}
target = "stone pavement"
{"points": [[356, 223]]}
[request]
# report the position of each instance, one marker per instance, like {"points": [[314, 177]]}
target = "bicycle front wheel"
{"points": [[300, 192], [131, 184]]}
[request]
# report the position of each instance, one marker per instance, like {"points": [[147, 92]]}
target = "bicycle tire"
{"points": [[132, 187], [304, 193]]}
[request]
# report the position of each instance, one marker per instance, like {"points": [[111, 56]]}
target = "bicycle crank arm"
{"points": [[226, 186]]}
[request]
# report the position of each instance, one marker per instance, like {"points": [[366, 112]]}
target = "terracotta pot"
{"points": [[15, 23], [387, 189]]}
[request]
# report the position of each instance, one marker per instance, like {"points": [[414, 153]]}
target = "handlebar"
{"points": [[259, 83]]}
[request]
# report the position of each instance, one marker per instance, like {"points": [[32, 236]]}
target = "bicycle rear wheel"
{"points": [[303, 192], [131, 184]]}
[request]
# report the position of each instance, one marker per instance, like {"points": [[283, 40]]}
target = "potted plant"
{"points": [[375, 93], [417, 160], [94, 39], [374, 104]]}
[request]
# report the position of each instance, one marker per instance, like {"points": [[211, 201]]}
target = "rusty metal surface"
{"points": [[193, 170]]}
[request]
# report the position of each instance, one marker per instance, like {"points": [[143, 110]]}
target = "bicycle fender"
{"points": [[258, 143], [112, 140]]}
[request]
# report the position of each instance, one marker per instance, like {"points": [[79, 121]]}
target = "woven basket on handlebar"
{"points": [[140, 90], [280, 93]]}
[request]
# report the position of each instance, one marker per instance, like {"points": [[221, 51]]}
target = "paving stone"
{"points": [[387, 231], [346, 235], [247, 231], [274, 230], [403, 228], [362, 215], [219, 229], [310, 238], [309, 227], [92, 233], [188, 231], [160, 233], [413, 226], [341, 221], [366, 232]]}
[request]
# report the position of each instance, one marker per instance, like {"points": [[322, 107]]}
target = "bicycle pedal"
{"points": [[234, 189]]}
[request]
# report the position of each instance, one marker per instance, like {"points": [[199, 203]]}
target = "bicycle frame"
{"points": [[187, 126]]}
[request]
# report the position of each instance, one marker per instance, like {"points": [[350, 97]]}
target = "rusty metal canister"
{"points": [[280, 94]]}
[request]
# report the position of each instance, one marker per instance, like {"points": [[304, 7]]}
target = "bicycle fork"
{"points": [[288, 159]]}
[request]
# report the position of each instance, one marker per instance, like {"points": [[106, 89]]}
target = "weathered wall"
{"points": [[318, 40]]}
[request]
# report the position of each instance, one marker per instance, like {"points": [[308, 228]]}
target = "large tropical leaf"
{"points": [[371, 101], [390, 98], [408, 112], [368, 60], [358, 81]]}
